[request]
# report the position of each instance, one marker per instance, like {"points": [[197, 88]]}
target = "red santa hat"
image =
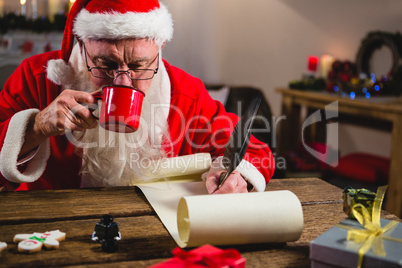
{"points": [[116, 19]]}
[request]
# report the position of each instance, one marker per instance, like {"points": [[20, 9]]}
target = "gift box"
{"points": [[204, 256], [333, 249]]}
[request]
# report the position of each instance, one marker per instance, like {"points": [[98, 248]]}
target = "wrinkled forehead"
{"points": [[123, 51], [131, 46], [133, 42]]}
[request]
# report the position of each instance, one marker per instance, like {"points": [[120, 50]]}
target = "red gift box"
{"points": [[204, 256]]}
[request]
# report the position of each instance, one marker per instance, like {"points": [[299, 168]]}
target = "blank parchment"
{"points": [[194, 218]]}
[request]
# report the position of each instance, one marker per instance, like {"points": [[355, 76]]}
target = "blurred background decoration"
{"points": [[34, 15], [29, 27], [43, 24], [365, 77]]}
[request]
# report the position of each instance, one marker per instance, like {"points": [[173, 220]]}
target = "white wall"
{"points": [[265, 43]]}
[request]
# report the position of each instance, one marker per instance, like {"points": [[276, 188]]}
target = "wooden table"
{"points": [[388, 110], [145, 241]]}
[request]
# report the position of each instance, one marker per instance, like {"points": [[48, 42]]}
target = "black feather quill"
{"points": [[239, 139]]}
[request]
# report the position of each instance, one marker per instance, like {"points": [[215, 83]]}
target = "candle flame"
{"points": [[23, 2]]}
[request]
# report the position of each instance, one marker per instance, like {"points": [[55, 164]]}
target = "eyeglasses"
{"points": [[111, 73]]}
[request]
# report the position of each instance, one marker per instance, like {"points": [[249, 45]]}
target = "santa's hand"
{"points": [[235, 183], [65, 113]]}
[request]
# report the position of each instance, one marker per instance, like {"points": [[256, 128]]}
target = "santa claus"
{"points": [[51, 140]]}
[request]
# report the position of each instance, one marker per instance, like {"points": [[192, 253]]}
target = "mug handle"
{"points": [[98, 96]]}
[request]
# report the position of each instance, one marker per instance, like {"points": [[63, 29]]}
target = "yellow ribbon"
{"points": [[373, 234]]}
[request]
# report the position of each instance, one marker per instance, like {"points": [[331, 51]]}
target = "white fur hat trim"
{"points": [[156, 25]]}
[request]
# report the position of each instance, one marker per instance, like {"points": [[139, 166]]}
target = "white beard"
{"points": [[121, 159]]}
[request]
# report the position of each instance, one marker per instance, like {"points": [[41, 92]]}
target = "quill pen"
{"points": [[239, 140]]}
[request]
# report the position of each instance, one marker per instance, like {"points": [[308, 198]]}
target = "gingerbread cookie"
{"points": [[3, 246], [30, 243]]}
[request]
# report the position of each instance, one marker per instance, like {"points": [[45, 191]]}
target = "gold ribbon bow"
{"points": [[373, 234]]}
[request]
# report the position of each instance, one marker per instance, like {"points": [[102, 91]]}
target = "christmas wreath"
{"points": [[358, 79]]}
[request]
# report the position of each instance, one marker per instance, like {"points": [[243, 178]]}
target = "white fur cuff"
{"points": [[13, 142], [245, 168]]}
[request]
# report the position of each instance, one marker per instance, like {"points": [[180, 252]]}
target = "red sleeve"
{"points": [[26, 88]]}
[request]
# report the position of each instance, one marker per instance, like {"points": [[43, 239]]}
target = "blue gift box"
{"points": [[332, 249]]}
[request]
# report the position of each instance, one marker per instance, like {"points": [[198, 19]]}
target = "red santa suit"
{"points": [[196, 123], [55, 164]]}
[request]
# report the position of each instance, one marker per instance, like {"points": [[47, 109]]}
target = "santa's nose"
{"points": [[123, 79]]}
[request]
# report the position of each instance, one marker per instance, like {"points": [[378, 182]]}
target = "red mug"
{"points": [[121, 108]]}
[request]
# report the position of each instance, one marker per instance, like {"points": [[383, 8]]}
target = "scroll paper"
{"points": [[164, 198], [230, 219], [182, 168], [194, 218]]}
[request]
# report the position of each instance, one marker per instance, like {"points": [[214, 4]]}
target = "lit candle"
{"points": [[23, 7], [326, 65], [312, 64]]}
